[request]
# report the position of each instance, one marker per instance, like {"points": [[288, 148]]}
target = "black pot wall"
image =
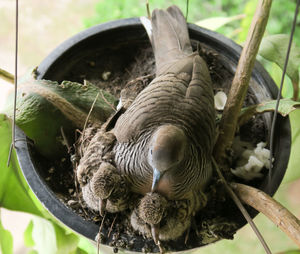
{"points": [[70, 54]]}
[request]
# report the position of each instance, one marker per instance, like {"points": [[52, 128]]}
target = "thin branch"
{"points": [[5, 75], [148, 9], [112, 225], [90, 112], [265, 204], [187, 10], [241, 207], [99, 233], [106, 101], [241, 80]]}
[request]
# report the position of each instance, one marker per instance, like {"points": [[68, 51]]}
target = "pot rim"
{"points": [[216, 41]]}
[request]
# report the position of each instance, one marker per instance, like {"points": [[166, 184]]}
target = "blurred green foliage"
{"points": [[280, 21]]}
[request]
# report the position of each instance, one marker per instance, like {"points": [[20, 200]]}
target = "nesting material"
{"points": [[251, 162]]}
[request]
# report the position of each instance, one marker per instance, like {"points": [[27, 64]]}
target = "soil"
{"points": [[111, 69]]}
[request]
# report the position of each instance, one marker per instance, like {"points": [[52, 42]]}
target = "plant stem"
{"points": [[243, 210], [5, 75], [265, 204], [240, 81]]}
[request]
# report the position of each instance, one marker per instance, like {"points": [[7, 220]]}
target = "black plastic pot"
{"points": [[70, 55]]}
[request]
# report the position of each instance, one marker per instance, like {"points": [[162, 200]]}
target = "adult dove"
{"points": [[163, 141], [165, 137]]}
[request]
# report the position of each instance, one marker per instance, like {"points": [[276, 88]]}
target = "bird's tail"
{"points": [[169, 36]]}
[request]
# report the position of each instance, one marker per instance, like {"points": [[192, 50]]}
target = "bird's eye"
{"points": [[151, 151]]}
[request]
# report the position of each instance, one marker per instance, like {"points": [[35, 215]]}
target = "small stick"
{"points": [[99, 233], [5, 75], [87, 118], [74, 166], [241, 207], [106, 101], [240, 81], [265, 204], [187, 10], [91, 109], [111, 227], [148, 9]]}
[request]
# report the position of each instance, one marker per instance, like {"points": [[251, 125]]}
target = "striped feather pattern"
{"points": [[180, 95]]}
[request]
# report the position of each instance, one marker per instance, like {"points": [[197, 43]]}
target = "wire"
{"points": [[279, 94], [13, 145]]}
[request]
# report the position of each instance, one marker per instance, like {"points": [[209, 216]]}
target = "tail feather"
{"points": [[170, 39]]}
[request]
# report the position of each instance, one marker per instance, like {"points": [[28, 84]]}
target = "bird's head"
{"points": [[167, 149]]}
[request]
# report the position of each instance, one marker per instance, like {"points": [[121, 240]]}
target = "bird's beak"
{"points": [[156, 178]]}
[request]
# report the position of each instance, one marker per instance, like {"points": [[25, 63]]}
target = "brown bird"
{"points": [[103, 187], [163, 219], [163, 142], [165, 137]]}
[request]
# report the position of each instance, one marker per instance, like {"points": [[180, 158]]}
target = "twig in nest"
{"points": [[87, 118], [241, 207], [73, 157], [111, 226], [90, 112], [265, 204], [106, 101], [187, 235], [99, 233]]}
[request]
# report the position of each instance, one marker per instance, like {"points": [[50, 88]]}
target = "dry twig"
{"points": [[112, 225], [265, 204], [106, 101], [5, 75], [241, 207], [241, 80]]}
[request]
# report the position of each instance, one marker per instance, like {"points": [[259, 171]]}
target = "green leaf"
{"points": [[43, 107], [293, 172], [274, 49], [6, 240], [43, 234], [290, 252], [15, 193], [86, 246], [286, 106], [66, 242], [217, 22], [29, 242], [32, 252]]}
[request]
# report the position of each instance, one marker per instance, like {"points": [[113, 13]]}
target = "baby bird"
{"points": [[107, 190], [103, 187], [164, 219]]}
